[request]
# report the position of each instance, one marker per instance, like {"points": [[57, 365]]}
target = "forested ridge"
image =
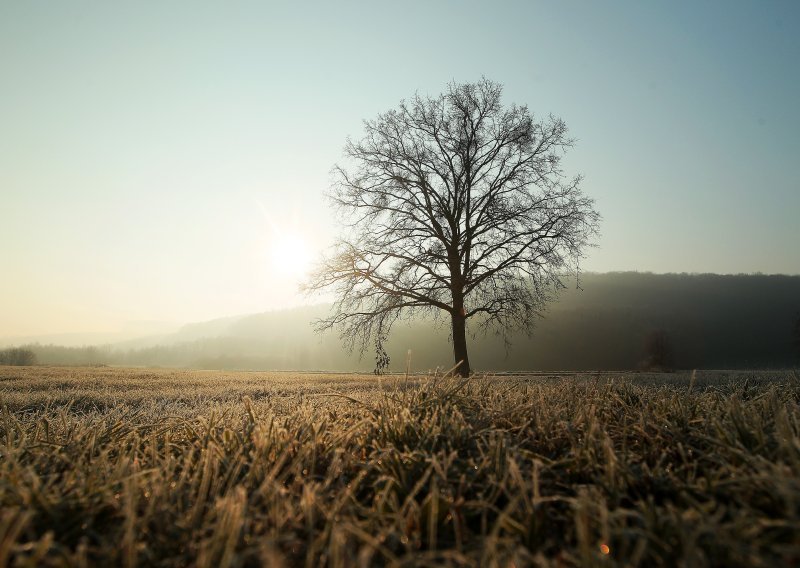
{"points": [[600, 322]]}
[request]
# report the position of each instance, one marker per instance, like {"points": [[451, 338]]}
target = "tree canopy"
{"points": [[454, 205]]}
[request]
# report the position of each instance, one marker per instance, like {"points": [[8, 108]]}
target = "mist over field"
{"points": [[711, 321]]}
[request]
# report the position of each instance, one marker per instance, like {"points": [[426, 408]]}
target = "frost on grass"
{"points": [[135, 467]]}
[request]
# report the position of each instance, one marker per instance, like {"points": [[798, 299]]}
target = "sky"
{"points": [[166, 162]]}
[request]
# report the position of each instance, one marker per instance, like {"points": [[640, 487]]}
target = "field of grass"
{"points": [[125, 467]]}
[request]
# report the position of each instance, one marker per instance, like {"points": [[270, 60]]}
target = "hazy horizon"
{"points": [[138, 330], [605, 292], [165, 164]]}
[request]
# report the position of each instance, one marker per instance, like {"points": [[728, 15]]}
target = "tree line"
{"points": [[18, 356]]}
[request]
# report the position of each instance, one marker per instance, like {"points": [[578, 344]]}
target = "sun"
{"points": [[290, 256]]}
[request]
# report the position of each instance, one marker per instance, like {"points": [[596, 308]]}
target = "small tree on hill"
{"points": [[453, 205], [659, 355]]}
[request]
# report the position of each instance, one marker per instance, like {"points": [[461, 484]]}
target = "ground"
{"points": [[107, 466]]}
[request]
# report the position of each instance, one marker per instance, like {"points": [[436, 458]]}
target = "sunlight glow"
{"points": [[290, 255]]}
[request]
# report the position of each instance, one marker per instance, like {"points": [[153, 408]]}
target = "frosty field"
{"points": [[109, 466]]}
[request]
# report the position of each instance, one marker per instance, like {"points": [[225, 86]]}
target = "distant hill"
{"points": [[709, 321]]}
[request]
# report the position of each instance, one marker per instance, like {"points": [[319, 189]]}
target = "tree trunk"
{"points": [[460, 344]]}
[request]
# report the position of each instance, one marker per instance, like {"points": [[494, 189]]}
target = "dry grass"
{"points": [[143, 467]]}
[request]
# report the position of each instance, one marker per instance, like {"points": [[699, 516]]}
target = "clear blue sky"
{"points": [[154, 154]]}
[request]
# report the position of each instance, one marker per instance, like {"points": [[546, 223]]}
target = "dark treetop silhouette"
{"points": [[453, 204]]}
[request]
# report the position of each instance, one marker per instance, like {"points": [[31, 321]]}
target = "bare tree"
{"points": [[454, 206]]}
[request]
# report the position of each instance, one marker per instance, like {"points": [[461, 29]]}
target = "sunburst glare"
{"points": [[290, 255]]}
